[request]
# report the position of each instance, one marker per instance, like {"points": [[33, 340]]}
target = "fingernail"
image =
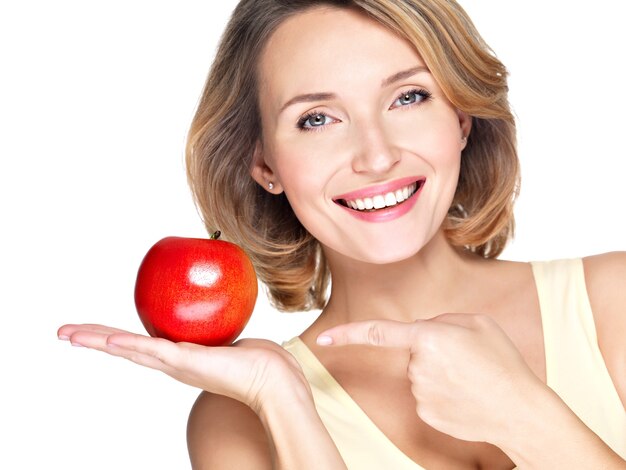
{"points": [[78, 345], [64, 338], [324, 340]]}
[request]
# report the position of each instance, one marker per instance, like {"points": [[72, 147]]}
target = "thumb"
{"points": [[385, 333]]}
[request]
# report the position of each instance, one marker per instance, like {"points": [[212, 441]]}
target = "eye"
{"points": [[411, 97], [313, 120]]}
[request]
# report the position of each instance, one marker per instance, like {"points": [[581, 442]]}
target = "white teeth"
{"points": [[390, 199], [380, 201]]}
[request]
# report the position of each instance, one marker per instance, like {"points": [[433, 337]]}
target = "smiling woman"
{"points": [[368, 132], [374, 147], [471, 79]]}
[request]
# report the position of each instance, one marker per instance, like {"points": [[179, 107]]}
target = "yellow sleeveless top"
{"points": [[575, 370]]}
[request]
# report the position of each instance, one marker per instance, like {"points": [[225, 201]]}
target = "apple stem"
{"points": [[215, 235]]}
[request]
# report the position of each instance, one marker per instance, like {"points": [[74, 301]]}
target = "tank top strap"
{"points": [[362, 445], [575, 367]]}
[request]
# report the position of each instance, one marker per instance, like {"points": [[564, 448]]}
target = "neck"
{"points": [[420, 287]]}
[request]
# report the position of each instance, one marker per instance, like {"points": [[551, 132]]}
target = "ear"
{"points": [[262, 173], [465, 122]]}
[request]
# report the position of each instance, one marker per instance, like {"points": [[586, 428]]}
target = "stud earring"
{"points": [[270, 185]]}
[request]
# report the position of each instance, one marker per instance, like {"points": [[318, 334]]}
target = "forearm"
{"points": [[298, 438], [548, 434]]}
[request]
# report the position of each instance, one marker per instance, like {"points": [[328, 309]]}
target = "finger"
{"points": [[163, 350], [189, 363], [66, 331], [386, 333], [142, 359], [88, 339], [95, 336], [155, 353]]}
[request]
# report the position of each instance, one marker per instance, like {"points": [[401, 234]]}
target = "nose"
{"points": [[374, 153]]}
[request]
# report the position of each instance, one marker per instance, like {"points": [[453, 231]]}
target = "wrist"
{"points": [[297, 436], [285, 395], [546, 433], [537, 409]]}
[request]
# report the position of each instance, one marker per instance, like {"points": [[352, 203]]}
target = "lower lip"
{"points": [[389, 213]]}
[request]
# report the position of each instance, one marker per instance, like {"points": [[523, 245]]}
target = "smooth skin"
{"points": [[452, 341]]}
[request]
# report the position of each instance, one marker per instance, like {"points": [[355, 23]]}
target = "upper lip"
{"points": [[381, 189]]}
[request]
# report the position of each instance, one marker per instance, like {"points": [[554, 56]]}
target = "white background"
{"points": [[95, 100]]}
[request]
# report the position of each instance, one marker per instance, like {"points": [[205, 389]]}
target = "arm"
{"points": [[298, 438], [605, 277], [575, 445], [259, 412], [223, 433], [545, 433], [471, 383]]}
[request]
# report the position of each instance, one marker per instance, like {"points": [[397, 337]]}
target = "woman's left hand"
{"points": [[467, 377]]}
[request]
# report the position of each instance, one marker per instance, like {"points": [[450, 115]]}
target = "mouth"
{"points": [[383, 200]]}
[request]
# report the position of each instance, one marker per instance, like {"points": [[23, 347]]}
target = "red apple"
{"points": [[196, 290]]}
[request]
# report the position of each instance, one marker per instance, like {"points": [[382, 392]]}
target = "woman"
{"points": [[371, 142]]}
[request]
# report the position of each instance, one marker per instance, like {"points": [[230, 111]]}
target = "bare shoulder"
{"points": [[223, 433], [605, 277]]}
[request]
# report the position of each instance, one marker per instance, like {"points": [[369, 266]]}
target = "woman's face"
{"points": [[353, 119]]}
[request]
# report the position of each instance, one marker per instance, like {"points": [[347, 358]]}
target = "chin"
{"points": [[386, 254], [382, 248], [388, 257]]}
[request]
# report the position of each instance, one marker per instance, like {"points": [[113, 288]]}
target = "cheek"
{"points": [[445, 161], [439, 153], [293, 165], [435, 139], [432, 133], [306, 176], [304, 160], [303, 175]]}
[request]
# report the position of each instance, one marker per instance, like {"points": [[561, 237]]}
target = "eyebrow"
{"points": [[310, 97], [402, 75]]}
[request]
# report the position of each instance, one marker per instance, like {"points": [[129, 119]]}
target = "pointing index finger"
{"points": [[385, 333]]}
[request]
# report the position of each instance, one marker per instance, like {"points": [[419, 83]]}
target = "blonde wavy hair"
{"points": [[227, 127]]}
